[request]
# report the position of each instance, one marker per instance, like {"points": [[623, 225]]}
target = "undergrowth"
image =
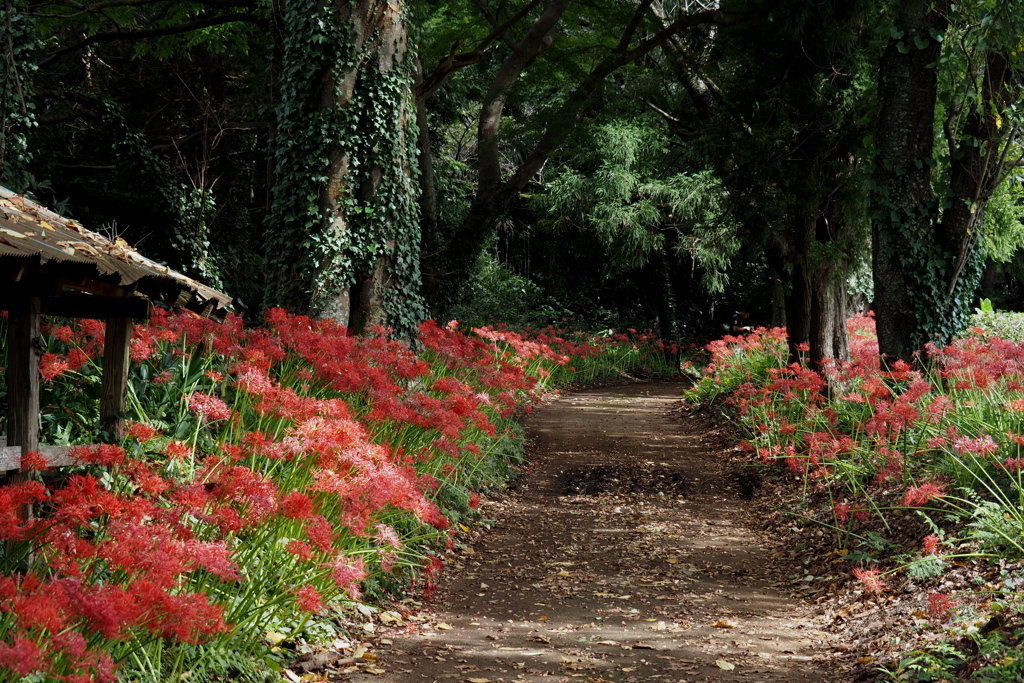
{"points": [[914, 473]]}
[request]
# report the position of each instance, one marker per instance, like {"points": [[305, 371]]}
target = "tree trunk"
{"points": [[345, 237], [901, 204], [798, 312]]}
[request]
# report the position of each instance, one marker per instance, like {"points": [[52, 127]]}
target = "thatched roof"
{"points": [[59, 252]]}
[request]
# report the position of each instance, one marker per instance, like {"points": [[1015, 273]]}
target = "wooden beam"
{"points": [[117, 345], [55, 456], [24, 347]]}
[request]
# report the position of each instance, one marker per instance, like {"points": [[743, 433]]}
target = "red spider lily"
{"points": [[141, 431], [300, 549], [387, 536], [916, 496], [309, 599], [931, 544], [106, 455], [21, 656], [348, 573], [209, 407], [51, 365], [34, 460], [320, 451], [871, 579], [940, 606]]}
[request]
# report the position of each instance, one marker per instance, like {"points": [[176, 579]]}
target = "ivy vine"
{"points": [[20, 42], [315, 255]]}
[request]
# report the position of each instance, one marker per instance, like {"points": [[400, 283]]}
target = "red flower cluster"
{"points": [[261, 467]]}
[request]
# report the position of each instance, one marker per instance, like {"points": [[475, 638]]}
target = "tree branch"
{"points": [[454, 62], [536, 39], [142, 34], [501, 29]]}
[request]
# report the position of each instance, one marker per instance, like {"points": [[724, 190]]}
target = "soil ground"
{"points": [[629, 554]]}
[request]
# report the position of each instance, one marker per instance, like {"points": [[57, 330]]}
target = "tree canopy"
{"points": [[628, 163]]}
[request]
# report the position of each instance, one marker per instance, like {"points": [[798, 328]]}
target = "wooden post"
{"points": [[24, 347], [116, 347]]}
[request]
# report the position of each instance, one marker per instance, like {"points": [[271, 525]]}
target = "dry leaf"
{"points": [[724, 665], [672, 560], [725, 623], [606, 642], [563, 573], [478, 680], [865, 660], [291, 676], [443, 626], [275, 638]]}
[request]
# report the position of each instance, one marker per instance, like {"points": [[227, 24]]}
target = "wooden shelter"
{"points": [[50, 265]]}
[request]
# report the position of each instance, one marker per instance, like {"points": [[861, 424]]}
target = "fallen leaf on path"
{"points": [[642, 646], [478, 680], [564, 573], [725, 623], [724, 665], [291, 676], [606, 642], [375, 670], [443, 626], [865, 660], [541, 639]]}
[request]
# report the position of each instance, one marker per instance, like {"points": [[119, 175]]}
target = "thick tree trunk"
{"points": [[344, 228], [364, 302], [901, 202]]}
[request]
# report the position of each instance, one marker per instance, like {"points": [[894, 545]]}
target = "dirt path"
{"points": [[626, 556]]}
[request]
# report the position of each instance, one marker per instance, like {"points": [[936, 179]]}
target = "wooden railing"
{"points": [[55, 456]]}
